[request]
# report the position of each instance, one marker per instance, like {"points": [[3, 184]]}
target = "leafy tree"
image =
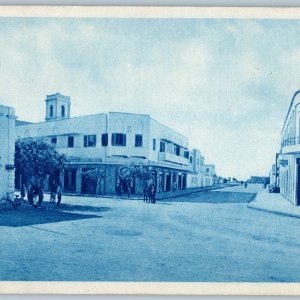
{"points": [[35, 159], [94, 176], [143, 173], [126, 174]]}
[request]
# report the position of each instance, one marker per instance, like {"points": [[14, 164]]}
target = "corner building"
{"points": [[108, 141], [289, 155]]}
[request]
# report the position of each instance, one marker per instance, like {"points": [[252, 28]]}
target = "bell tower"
{"points": [[57, 107]]}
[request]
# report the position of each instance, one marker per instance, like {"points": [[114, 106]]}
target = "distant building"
{"points": [[7, 137], [209, 175], [289, 156], [108, 141], [196, 176], [259, 179]]}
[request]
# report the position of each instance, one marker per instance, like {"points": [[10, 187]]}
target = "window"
{"points": [[51, 110], [154, 144], [54, 141], [186, 154], [191, 159], [63, 111], [104, 140], [138, 140], [118, 139], [177, 150], [162, 147], [90, 140], [70, 141]]}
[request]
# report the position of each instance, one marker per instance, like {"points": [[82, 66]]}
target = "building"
{"points": [[196, 177], [289, 156], [7, 137], [209, 175], [259, 179], [108, 141]]}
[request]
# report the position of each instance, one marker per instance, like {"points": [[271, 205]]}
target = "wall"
{"points": [[7, 137], [77, 127]]}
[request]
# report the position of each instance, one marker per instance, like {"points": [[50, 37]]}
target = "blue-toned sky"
{"points": [[225, 84]]}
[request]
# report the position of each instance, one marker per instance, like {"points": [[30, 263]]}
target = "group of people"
{"points": [[149, 193], [35, 193]]}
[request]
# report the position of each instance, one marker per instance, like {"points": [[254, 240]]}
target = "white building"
{"points": [[196, 177], [289, 156], [108, 141], [7, 137], [209, 175]]}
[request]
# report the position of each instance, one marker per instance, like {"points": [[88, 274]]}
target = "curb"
{"points": [[275, 212]]}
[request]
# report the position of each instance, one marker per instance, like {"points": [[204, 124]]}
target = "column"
{"points": [[78, 180]]}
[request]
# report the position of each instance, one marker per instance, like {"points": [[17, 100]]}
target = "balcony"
{"points": [[291, 145], [170, 157]]}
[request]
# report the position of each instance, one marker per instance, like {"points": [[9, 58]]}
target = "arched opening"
{"points": [[63, 111]]}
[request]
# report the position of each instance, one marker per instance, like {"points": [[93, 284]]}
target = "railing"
{"points": [[291, 141]]}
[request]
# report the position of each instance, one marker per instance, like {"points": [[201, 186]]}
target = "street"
{"points": [[209, 236]]}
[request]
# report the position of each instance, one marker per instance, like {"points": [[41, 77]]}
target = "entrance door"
{"points": [[168, 182]]}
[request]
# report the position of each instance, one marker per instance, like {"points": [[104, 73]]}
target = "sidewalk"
{"points": [[274, 203], [159, 196]]}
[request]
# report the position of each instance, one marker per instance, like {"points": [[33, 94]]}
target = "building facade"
{"points": [[108, 141], [210, 175], [196, 176], [289, 155], [7, 137]]}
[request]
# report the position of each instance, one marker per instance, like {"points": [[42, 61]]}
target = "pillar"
{"points": [[78, 180]]}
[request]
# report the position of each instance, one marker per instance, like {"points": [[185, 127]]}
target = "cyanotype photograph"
{"points": [[149, 149]]}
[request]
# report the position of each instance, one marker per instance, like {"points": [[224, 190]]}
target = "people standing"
{"points": [[30, 195], [53, 191], [40, 195], [23, 191], [145, 193], [59, 194], [152, 193], [34, 194]]}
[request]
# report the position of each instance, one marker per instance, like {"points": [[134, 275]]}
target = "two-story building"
{"points": [[289, 156], [7, 137], [108, 141], [196, 176], [209, 175]]}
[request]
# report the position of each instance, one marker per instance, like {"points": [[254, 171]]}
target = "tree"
{"points": [[36, 159], [126, 175], [143, 173], [94, 176]]}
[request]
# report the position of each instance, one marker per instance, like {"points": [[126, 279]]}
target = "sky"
{"points": [[226, 84]]}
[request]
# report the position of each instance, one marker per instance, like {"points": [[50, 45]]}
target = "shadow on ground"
{"points": [[215, 197], [35, 216]]}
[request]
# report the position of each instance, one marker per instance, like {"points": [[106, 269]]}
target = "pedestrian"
{"points": [[246, 185], [53, 190], [29, 195], [34, 194], [145, 193], [152, 193], [23, 191], [59, 194], [40, 195]]}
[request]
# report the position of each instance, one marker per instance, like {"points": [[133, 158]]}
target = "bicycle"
{"points": [[7, 202]]}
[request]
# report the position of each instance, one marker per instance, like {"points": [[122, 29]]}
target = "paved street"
{"points": [[209, 236]]}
